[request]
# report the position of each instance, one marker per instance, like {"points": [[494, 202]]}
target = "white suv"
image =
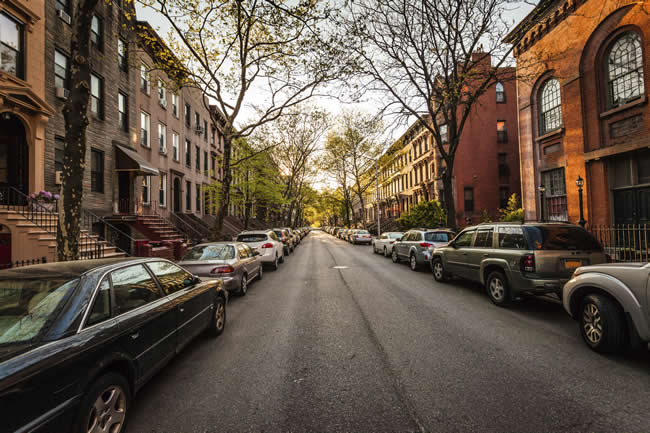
{"points": [[267, 243]]}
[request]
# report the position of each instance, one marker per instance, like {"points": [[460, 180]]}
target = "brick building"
{"points": [[583, 110]]}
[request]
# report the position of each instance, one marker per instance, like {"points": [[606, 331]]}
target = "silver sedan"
{"points": [[234, 263]]}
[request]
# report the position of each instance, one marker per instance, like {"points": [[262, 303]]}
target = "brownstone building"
{"points": [[583, 110]]}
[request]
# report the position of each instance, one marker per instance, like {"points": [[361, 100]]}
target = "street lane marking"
{"points": [[340, 267]]}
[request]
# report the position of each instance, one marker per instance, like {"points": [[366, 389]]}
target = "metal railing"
{"points": [[625, 242], [23, 262], [40, 214], [187, 230], [107, 234]]}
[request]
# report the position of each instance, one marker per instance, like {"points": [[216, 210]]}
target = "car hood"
{"points": [[608, 268]]}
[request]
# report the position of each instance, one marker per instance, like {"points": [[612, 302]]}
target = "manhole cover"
{"points": [[340, 267]]}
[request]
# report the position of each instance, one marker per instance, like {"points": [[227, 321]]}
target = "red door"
{"points": [[5, 249]]}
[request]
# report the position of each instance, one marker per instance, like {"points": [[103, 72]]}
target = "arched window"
{"points": [[550, 106], [501, 93], [624, 70]]}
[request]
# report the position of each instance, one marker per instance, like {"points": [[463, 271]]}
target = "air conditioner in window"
{"points": [[58, 177], [163, 103], [64, 16], [62, 93]]}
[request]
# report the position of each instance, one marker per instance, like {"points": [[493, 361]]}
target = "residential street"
{"points": [[373, 346]]}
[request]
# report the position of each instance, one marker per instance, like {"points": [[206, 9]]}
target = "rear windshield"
{"points": [[28, 306], [362, 232], [251, 238], [561, 238], [437, 237], [211, 252]]}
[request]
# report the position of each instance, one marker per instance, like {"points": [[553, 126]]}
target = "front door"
{"points": [[177, 195], [632, 206], [124, 193], [14, 166]]}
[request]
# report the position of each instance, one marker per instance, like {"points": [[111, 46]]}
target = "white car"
{"points": [[267, 243], [383, 244]]}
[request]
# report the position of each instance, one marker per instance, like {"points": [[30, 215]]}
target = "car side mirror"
{"points": [[196, 280], [256, 253]]}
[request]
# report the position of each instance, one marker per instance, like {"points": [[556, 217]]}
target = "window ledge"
{"points": [[557, 132], [163, 154], [639, 101]]}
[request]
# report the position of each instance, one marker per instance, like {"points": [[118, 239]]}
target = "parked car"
{"points": [[295, 239], [511, 259], [416, 245], [286, 238], [234, 263], [267, 243], [609, 302], [384, 243], [361, 237], [79, 339]]}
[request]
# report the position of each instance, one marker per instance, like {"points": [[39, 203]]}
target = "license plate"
{"points": [[572, 264]]}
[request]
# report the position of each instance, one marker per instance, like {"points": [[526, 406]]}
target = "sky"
{"points": [[371, 103]]}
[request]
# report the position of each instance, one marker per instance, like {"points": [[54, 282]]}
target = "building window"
{"points": [[555, 194], [501, 93], [197, 197], [145, 120], [550, 107], [62, 5], [625, 70], [197, 161], [504, 195], [176, 146], [213, 167], [59, 143], [144, 78], [162, 94], [468, 195], [504, 169], [502, 133], [122, 54], [162, 196], [146, 189], [97, 32], [97, 96], [96, 171], [188, 195], [205, 162], [123, 111], [60, 70], [175, 104], [162, 138], [188, 154], [205, 129], [444, 134], [197, 120], [212, 136], [188, 110]]}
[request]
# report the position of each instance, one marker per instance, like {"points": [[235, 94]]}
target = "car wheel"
{"points": [[413, 262], [497, 289], [243, 288], [602, 324], [105, 406], [385, 252], [438, 270], [394, 256], [282, 258], [218, 321], [276, 264], [260, 272]]}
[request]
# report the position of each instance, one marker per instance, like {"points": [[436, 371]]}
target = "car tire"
{"points": [[394, 256], [243, 288], [276, 263], [218, 320], [602, 324], [498, 289], [282, 258], [385, 252], [260, 272], [111, 391], [438, 270], [413, 262]]}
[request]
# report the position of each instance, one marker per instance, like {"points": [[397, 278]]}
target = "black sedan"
{"points": [[78, 339]]}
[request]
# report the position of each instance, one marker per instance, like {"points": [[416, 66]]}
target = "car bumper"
{"points": [[230, 283], [535, 286], [363, 241]]}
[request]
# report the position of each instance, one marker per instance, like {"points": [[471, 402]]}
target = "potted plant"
{"points": [[43, 200]]}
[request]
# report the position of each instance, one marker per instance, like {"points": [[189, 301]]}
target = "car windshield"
{"points": [[395, 235], [28, 306], [251, 237], [437, 237], [211, 252], [561, 238]]}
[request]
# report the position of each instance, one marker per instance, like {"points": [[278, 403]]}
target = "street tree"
{"points": [[254, 60], [432, 60]]}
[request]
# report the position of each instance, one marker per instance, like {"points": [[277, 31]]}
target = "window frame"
{"points": [[145, 116], [162, 190], [57, 76], [162, 138], [465, 200], [100, 99], [98, 40], [500, 93], [607, 63], [145, 78], [548, 99], [122, 54], [176, 146], [123, 116], [97, 175], [188, 195]]}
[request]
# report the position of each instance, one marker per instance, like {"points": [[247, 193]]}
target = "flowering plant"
{"points": [[43, 196]]}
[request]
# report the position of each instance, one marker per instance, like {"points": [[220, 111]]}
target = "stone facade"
{"points": [[599, 129]]}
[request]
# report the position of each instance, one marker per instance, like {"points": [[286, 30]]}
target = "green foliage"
{"points": [[428, 214], [485, 216], [514, 211]]}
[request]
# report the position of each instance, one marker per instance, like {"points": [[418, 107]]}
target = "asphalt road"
{"points": [[375, 347]]}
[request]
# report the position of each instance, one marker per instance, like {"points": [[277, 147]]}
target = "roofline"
{"points": [[536, 13]]}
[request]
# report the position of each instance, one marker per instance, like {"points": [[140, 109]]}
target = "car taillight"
{"points": [[528, 263], [425, 244], [268, 245], [222, 270]]}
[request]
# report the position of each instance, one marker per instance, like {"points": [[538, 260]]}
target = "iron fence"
{"points": [[23, 262], [625, 242]]}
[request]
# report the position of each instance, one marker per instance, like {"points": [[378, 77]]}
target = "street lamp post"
{"points": [[580, 183], [542, 189]]}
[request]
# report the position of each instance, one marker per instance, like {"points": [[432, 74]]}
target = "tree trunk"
{"points": [[76, 121], [450, 206], [224, 201]]}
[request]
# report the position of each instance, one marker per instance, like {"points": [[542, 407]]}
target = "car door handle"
{"points": [[486, 255], [135, 336], [181, 309]]}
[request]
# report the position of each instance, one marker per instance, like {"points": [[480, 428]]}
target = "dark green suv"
{"points": [[511, 259]]}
